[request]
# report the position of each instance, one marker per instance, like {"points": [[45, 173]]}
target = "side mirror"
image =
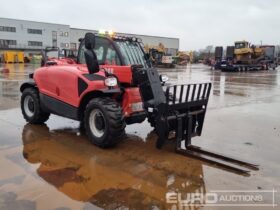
{"points": [[89, 41], [90, 56]]}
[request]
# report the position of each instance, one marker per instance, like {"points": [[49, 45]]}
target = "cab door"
{"points": [[106, 53]]}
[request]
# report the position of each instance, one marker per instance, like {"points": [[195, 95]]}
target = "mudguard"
{"points": [[28, 84]]}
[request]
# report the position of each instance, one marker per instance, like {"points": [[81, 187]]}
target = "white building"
{"points": [[76, 34], [31, 36]]}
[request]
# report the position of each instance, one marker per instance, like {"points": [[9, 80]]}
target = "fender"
{"points": [[111, 91], [92, 94], [28, 84]]}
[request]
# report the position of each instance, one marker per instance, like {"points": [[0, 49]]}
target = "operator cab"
{"points": [[240, 45], [115, 51]]}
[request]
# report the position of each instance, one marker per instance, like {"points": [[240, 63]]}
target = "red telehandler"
{"points": [[112, 84]]}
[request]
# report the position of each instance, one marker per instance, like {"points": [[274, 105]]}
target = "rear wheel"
{"points": [[30, 107], [104, 122]]}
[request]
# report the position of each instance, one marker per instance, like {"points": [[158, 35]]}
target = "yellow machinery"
{"points": [[184, 57], [244, 57], [13, 57], [158, 55], [244, 52], [160, 48], [9, 57], [20, 57]]}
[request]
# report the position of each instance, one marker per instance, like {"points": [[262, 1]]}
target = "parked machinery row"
{"points": [[244, 57]]}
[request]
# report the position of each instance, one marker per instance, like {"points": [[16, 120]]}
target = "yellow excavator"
{"points": [[160, 48], [184, 57], [158, 55]]}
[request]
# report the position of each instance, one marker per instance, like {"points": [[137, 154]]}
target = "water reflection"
{"points": [[134, 175], [243, 84], [232, 88], [17, 71]]}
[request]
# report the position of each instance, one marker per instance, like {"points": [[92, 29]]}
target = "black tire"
{"points": [[82, 126], [152, 122], [111, 122], [36, 115]]}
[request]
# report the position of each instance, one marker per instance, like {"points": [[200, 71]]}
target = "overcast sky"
{"points": [[197, 23]]}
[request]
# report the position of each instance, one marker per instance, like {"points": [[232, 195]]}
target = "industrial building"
{"points": [[31, 37]]}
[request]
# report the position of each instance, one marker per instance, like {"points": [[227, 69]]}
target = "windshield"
{"points": [[240, 45], [132, 53]]}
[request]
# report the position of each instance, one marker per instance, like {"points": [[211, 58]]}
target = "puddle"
{"points": [[54, 166]]}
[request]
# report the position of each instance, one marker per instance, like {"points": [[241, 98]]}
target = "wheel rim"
{"points": [[97, 123], [28, 106]]}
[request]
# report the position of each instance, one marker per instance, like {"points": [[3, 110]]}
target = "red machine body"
{"points": [[97, 88], [60, 82]]}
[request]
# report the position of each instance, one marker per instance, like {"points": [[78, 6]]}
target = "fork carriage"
{"points": [[188, 109], [181, 109]]}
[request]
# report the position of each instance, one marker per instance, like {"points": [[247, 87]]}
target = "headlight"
{"points": [[164, 78], [111, 81]]}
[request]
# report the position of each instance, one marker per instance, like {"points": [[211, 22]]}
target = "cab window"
{"points": [[104, 50]]}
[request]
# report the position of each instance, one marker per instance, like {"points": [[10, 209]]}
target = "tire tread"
{"points": [[115, 119], [40, 116]]}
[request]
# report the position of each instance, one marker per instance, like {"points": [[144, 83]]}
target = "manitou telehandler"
{"points": [[111, 84]]}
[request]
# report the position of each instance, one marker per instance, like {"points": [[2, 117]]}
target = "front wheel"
{"points": [[104, 122], [30, 107]]}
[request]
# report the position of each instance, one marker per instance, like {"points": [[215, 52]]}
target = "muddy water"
{"points": [[55, 167]]}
